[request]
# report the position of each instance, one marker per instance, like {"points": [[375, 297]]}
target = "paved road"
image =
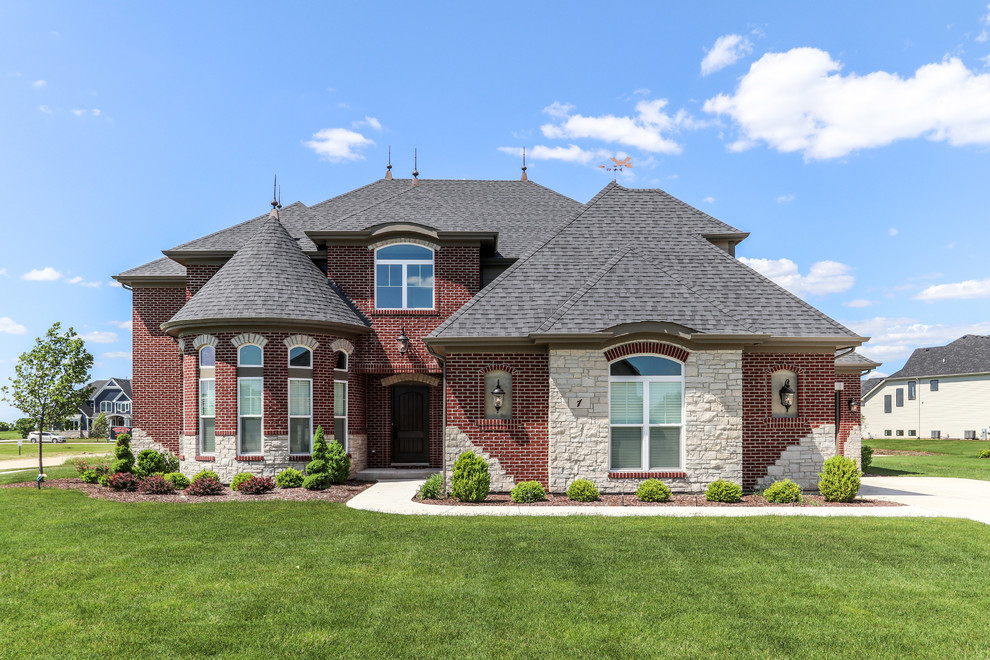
{"points": [[49, 461]]}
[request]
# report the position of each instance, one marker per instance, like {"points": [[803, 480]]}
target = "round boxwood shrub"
{"points": [[257, 485], [866, 457], [156, 484], [432, 489], [203, 474], [470, 481], [528, 491], [583, 490], [177, 479], [205, 486], [316, 481], [289, 478], [723, 491], [653, 490], [151, 461], [239, 478], [89, 476], [839, 479], [783, 492], [984, 453], [123, 481]]}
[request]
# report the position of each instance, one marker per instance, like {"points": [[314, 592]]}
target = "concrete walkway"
{"points": [[18, 464], [396, 497], [953, 498]]}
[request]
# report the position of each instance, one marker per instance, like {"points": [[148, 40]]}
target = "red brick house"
{"points": [[415, 319]]}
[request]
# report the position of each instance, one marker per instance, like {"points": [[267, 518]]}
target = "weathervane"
{"points": [[617, 167]]}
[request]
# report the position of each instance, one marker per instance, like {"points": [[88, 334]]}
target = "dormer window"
{"points": [[404, 277]]}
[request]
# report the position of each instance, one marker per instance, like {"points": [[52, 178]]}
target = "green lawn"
{"points": [[91, 578], [10, 435], [8, 450], [955, 458]]}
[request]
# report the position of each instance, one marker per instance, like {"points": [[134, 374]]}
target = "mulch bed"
{"points": [[810, 499], [339, 493]]}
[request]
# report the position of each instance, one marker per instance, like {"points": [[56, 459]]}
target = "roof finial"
{"points": [[415, 180], [276, 193], [524, 177], [388, 173], [280, 196], [617, 167]]}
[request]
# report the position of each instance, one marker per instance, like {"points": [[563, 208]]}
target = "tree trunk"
{"points": [[41, 441]]}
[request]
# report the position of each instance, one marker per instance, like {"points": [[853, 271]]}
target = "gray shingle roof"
{"points": [[269, 278], [293, 217], [853, 358], [636, 255], [163, 267], [866, 386], [966, 355]]}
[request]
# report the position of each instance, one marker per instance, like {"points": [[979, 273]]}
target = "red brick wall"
{"points": [[847, 418], [521, 444], [764, 437], [197, 275], [157, 369]]}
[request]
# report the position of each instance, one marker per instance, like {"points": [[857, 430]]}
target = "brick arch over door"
{"points": [[397, 379], [647, 348]]}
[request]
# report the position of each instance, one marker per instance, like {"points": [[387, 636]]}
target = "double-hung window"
{"points": [[106, 406], [887, 403], [300, 415], [340, 412], [250, 402], [404, 277], [912, 390], [646, 406], [899, 397]]}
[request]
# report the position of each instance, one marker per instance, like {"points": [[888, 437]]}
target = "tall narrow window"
{"points": [[899, 397], [912, 390], [887, 407], [341, 361], [300, 415], [340, 412], [249, 407], [404, 277], [207, 400], [646, 398]]}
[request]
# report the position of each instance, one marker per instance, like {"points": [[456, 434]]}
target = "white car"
{"points": [[46, 437]]}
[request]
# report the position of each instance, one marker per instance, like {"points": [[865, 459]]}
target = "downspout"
{"points": [[443, 414]]}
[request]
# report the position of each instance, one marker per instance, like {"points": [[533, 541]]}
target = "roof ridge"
{"points": [[667, 196], [399, 193], [583, 290], [239, 224]]}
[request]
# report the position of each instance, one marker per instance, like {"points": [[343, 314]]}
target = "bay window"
{"points": [[249, 412]]}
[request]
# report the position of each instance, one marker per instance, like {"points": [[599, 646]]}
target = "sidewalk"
{"points": [[28, 462], [396, 497]]}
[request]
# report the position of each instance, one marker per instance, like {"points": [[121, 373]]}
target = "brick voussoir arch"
{"points": [[497, 367], [248, 338], [301, 340], [396, 379], [647, 348], [783, 366], [342, 346]]}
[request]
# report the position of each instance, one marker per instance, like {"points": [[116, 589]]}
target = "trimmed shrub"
{"points": [[839, 480], [723, 491], [653, 490], [338, 464], [317, 466], [257, 486], [89, 476], [321, 451], [316, 481], [866, 457], [783, 492], [984, 453], [177, 479], [103, 480], [582, 490], [470, 481], [203, 486], [152, 461], [205, 474], [156, 484], [122, 453], [289, 478], [528, 491], [241, 477], [432, 489], [123, 481]]}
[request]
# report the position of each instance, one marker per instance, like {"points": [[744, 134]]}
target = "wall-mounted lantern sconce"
{"points": [[498, 395], [402, 341], [853, 405], [786, 395]]}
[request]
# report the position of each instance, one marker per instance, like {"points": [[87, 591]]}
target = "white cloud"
{"points": [[642, 91], [892, 232], [10, 327], [783, 199], [367, 121], [728, 50], [75, 280], [3, 271], [643, 131], [122, 355], [799, 101], [123, 325], [115, 283], [338, 144], [101, 337], [956, 291], [78, 280], [983, 36], [77, 112], [571, 153], [46, 274], [823, 277], [859, 302], [45, 109], [709, 200], [96, 112], [38, 83], [896, 338], [877, 374]]}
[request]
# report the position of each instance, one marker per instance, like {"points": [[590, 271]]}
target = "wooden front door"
{"points": [[410, 424]]}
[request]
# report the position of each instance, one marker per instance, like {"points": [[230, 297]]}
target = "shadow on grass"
{"points": [[887, 472]]}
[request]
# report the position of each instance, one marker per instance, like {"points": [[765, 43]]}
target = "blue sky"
{"points": [[851, 140]]}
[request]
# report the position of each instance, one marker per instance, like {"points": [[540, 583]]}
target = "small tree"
{"points": [[48, 379], [4, 426], [24, 426], [101, 427]]}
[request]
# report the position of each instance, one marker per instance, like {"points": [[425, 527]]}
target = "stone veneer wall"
{"points": [[579, 444], [226, 464]]}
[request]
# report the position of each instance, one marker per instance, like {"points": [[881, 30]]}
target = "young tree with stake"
{"points": [[47, 378]]}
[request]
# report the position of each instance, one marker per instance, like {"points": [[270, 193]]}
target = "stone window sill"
{"points": [[652, 474], [206, 458], [498, 424], [300, 457], [250, 458], [786, 421]]}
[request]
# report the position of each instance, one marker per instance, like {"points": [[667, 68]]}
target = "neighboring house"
{"points": [[112, 397], [942, 392], [416, 319]]}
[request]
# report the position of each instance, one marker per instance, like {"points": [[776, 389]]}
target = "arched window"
{"points": [[404, 277], [207, 399], [207, 357], [646, 403], [300, 356], [250, 355], [341, 361]]}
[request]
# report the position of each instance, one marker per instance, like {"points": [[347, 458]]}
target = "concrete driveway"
{"points": [[958, 498]]}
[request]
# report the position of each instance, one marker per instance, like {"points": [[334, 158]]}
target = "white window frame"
{"points": [[209, 366], [123, 407], [347, 411], [292, 417], [646, 426], [405, 263], [242, 347], [240, 433], [199, 405], [288, 357], [106, 407]]}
